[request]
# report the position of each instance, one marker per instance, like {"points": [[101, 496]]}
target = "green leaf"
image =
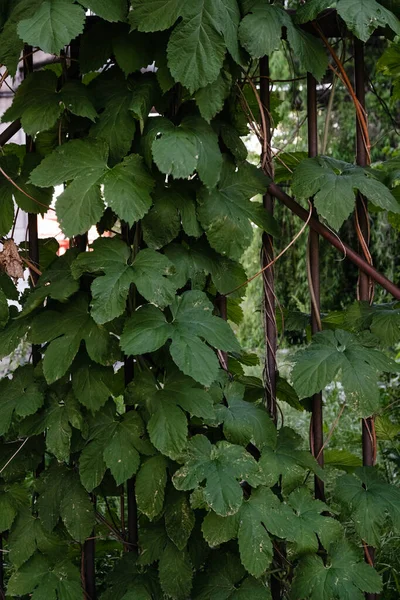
{"points": [[85, 159], [218, 530], [286, 393], [58, 418], [209, 161], [12, 497], [333, 184], [179, 151], [147, 330], [386, 323], [150, 486], [76, 98], [255, 545], [174, 207], [121, 453], [39, 105], [221, 467], [282, 457], [243, 422], [65, 330], [133, 51], [261, 32], [226, 212], [90, 383], [11, 44], [150, 272], [92, 465], [152, 541], [167, 425], [4, 312], [21, 395], [36, 103], [385, 429], [306, 523], [145, 95], [232, 140], [40, 199], [362, 17], [11, 336], [196, 48], [80, 206], [95, 47], [220, 578], [61, 495], [309, 51], [179, 519], [116, 124], [55, 282], [175, 571], [355, 358], [370, 500], [116, 11], [341, 459], [10, 165], [54, 24], [262, 514], [47, 581], [210, 99], [251, 588], [26, 536], [155, 15], [127, 189], [114, 443], [311, 9], [124, 581], [193, 262], [346, 575], [76, 510]]}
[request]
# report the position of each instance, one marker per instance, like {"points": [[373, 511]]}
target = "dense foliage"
{"points": [[136, 410]]}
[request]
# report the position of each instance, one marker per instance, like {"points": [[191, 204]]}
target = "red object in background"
{"points": [[63, 246]]}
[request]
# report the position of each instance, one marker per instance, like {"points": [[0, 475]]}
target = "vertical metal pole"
{"points": [[33, 238], [317, 438], [364, 283], [131, 236], [267, 253], [79, 241], [88, 566]]}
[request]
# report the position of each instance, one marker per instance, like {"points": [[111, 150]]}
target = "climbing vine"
{"points": [[132, 434]]}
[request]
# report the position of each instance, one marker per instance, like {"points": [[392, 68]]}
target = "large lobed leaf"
{"points": [[333, 184], [193, 326], [356, 358]]}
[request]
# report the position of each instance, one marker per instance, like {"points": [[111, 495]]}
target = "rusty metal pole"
{"points": [[33, 237], [335, 241], [316, 429], [88, 564], [365, 289], [132, 237], [267, 253]]}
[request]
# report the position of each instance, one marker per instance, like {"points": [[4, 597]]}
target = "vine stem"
{"points": [[313, 277], [364, 288]]}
